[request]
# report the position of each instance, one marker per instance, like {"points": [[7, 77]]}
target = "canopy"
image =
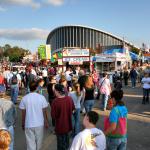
{"points": [[134, 56], [113, 51], [121, 50]]}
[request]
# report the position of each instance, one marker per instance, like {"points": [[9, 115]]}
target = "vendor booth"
{"points": [[112, 60]]}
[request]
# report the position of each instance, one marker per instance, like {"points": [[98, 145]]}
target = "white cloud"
{"points": [[24, 34], [56, 2], [31, 3]]}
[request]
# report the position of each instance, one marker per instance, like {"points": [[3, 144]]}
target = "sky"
{"points": [[27, 23]]}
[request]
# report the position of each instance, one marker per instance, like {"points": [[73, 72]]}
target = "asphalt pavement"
{"points": [[138, 123]]}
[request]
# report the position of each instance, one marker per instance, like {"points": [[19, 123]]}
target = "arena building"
{"points": [[78, 43]]}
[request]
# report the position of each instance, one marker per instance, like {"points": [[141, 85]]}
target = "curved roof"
{"points": [[114, 36]]}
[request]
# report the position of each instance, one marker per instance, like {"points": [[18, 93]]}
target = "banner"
{"points": [[75, 52], [48, 51], [42, 51]]}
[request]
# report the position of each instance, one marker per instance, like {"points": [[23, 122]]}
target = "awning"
{"points": [[134, 56]]}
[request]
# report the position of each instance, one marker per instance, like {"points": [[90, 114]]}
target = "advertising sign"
{"points": [[75, 52], [42, 51], [48, 51], [60, 62], [75, 63], [76, 59]]}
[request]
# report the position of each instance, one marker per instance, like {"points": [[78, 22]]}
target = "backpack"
{"points": [[14, 79]]}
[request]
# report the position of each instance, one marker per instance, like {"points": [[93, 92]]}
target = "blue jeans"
{"points": [[116, 143], [76, 122], [62, 141], [88, 104], [14, 93], [11, 131], [104, 100], [133, 81], [146, 95]]}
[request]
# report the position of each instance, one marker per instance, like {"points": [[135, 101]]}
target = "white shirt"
{"points": [[17, 74], [33, 72], [146, 82], [6, 74], [44, 73], [105, 86], [33, 103], [18, 78], [68, 76], [89, 139], [76, 99], [58, 76]]}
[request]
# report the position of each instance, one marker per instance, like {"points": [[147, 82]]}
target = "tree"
{"points": [[15, 53], [1, 52], [6, 47]]}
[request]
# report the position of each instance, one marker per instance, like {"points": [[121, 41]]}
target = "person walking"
{"points": [[61, 111], [133, 76], [105, 90], [89, 94], [34, 117], [15, 82], [91, 138], [126, 77], [115, 126], [2, 84], [51, 94], [8, 117], [76, 96], [45, 75], [146, 88], [6, 74]]}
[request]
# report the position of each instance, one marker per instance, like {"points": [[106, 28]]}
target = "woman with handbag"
{"points": [[115, 126], [105, 90]]}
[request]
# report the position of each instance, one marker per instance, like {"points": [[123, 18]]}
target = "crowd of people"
{"points": [[70, 93]]}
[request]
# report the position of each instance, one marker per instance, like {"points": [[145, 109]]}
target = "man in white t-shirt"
{"points": [[34, 117], [90, 138]]}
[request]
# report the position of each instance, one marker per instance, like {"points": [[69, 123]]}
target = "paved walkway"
{"points": [[138, 124]]}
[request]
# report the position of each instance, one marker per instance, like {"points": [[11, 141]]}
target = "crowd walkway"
{"points": [[138, 123]]}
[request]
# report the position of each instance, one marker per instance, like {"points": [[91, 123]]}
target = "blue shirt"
{"points": [[117, 112]]}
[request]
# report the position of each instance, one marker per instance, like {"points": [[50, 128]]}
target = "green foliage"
{"points": [[15, 53]]}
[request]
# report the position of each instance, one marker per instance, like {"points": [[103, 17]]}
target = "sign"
{"points": [[75, 59], [42, 51], [76, 52], [48, 51], [75, 63], [60, 62], [102, 59]]}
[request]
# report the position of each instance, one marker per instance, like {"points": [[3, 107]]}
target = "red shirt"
{"points": [[1, 80], [61, 112]]}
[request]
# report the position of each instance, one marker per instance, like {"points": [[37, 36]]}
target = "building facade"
{"points": [[82, 37], [78, 44]]}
